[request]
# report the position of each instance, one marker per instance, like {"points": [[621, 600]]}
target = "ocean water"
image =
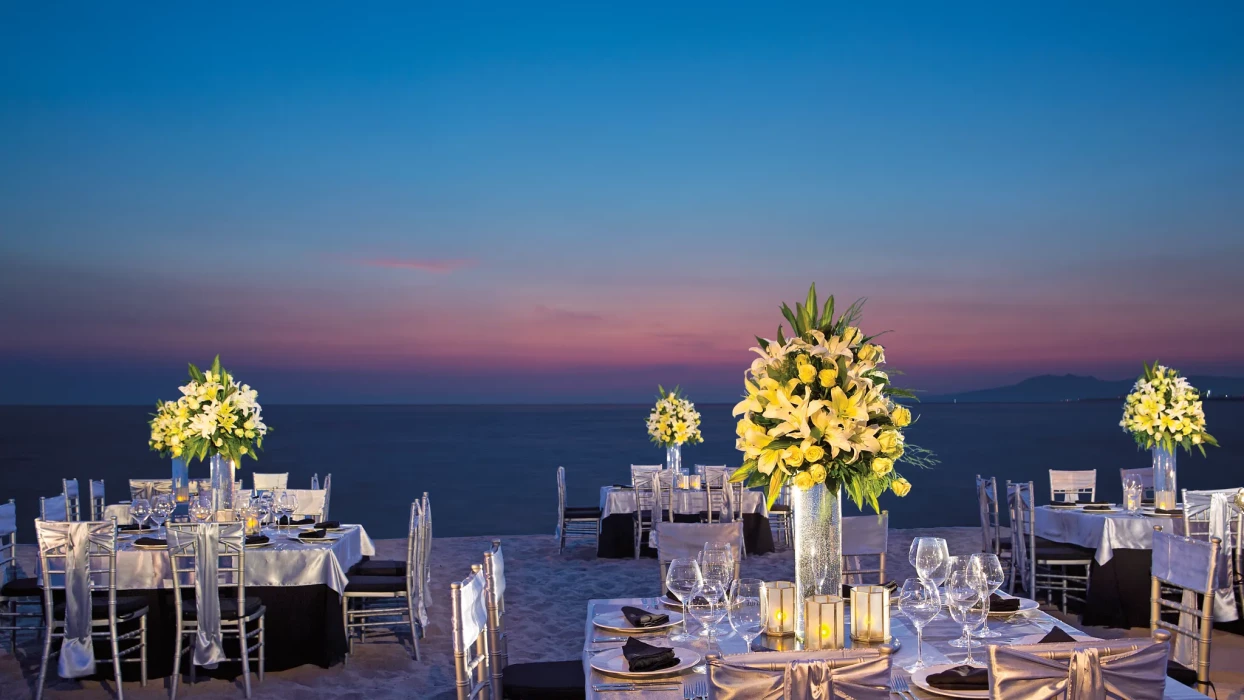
{"points": [[489, 470]]}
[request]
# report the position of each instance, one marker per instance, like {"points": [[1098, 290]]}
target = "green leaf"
{"points": [[775, 486], [740, 474]]}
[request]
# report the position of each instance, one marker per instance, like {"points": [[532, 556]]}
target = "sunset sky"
{"points": [[425, 203]]}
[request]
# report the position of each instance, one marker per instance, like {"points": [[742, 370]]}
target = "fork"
{"points": [[900, 686], [695, 690]]}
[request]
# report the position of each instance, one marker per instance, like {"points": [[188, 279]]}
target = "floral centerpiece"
{"points": [[1164, 412], [672, 423], [216, 419], [820, 413]]}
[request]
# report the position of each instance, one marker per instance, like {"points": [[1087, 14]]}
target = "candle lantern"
{"points": [[695, 482], [870, 613], [778, 598], [181, 479], [823, 622]]}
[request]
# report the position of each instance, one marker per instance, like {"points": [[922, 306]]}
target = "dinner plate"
{"points": [[1102, 510], [269, 543], [1063, 506], [1025, 604], [670, 602], [315, 540], [617, 622], [325, 529], [920, 680], [611, 662]]}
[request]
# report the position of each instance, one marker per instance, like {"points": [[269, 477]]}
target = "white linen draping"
{"points": [[1104, 532], [615, 500]]}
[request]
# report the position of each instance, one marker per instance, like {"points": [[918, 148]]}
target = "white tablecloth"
{"points": [[1104, 532], [937, 649], [284, 563], [615, 500]]}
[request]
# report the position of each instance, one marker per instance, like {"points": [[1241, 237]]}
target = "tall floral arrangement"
{"points": [[216, 415], [1164, 410], [674, 420], [820, 409]]}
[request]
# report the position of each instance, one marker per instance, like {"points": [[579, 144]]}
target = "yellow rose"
{"points": [[807, 373], [882, 466], [869, 353], [801, 360], [814, 453], [804, 480], [901, 416], [176, 451], [888, 440], [792, 456], [242, 450], [829, 376], [901, 487], [817, 472], [852, 335], [219, 442]]}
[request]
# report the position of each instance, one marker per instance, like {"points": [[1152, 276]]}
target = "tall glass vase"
{"points": [[673, 458], [222, 482], [1165, 494], [817, 514], [181, 480]]}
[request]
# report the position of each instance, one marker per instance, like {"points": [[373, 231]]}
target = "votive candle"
{"points": [[870, 613], [778, 598], [823, 622]]}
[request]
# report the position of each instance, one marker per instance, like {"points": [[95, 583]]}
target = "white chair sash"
{"points": [[474, 611], [1135, 670], [498, 576], [208, 641], [77, 655], [268, 482], [819, 675], [54, 509], [8, 519], [149, 488]]}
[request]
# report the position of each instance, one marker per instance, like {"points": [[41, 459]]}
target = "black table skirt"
{"points": [[617, 535], [302, 625]]}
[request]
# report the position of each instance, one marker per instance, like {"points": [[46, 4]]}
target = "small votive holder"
{"points": [[823, 626], [778, 598], [684, 481], [695, 482], [252, 525], [870, 613]]}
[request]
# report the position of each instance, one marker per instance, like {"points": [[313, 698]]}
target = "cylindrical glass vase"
{"points": [[817, 514], [181, 480], [1165, 494], [673, 458], [222, 483]]}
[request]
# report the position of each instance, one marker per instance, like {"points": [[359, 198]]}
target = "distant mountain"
{"points": [[1049, 388]]}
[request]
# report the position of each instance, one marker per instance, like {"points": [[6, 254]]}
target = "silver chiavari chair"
{"points": [[716, 483], [270, 482], [54, 509], [1189, 568], [574, 521], [1122, 668], [79, 561], [1073, 485], [16, 594], [425, 578], [328, 492], [641, 472], [991, 520], [780, 522], [372, 601], [647, 507], [469, 623], [189, 553], [1144, 475], [98, 501], [73, 500], [864, 536], [1044, 565], [861, 674], [498, 641], [150, 488]]}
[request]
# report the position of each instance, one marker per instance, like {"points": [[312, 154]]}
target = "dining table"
{"points": [[1019, 628], [618, 504]]}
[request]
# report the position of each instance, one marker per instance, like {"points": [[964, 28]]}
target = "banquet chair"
{"points": [[718, 503], [195, 552], [545, 680], [15, 593], [780, 521], [390, 601], [1213, 513], [468, 616], [270, 482], [54, 509], [864, 536], [1144, 474], [1073, 485], [1122, 668], [98, 502], [1189, 568], [1041, 564], [641, 472], [149, 488], [862, 674], [686, 540], [648, 508], [574, 521], [73, 500], [78, 562]]}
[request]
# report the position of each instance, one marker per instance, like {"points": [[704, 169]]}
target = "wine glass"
{"points": [[928, 555], [160, 511], [200, 509], [289, 505], [140, 510], [682, 578], [989, 568], [920, 601], [963, 591], [707, 603], [717, 566], [746, 615], [262, 508], [938, 575]]}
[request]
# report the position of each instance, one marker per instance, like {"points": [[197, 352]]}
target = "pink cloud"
{"points": [[422, 264]]}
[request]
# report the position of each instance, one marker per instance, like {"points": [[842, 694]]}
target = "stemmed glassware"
{"points": [[989, 569], [288, 503], [746, 615], [963, 590], [920, 601], [162, 507], [140, 510], [263, 508], [929, 555], [1133, 494], [200, 509], [717, 566], [681, 579], [708, 604]]}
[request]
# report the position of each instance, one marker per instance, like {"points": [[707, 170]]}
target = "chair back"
{"points": [[310, 503], [1073, 485], [863, 674], [864, 537], [498, 641], [1203, 518], [717, 492], [328, 492], [54, 509], [149, 488], [1144, 475], [1082, 670], [1194, 569], [561, 501], [8, 542], [641, 472], [98, 501], [425, 553], [269, 482], [204, 557], [76, 560], [687, 540], [647, 499], [469, 623], [991, 521], [1023, 537], [73, 499]]}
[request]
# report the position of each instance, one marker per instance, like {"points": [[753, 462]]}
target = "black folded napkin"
{"points": [[287, 521], [999, 604], [961, 678], [1056, 636], [129, 527], [312, 535], [1098, 507], [327, 525], [645, 657], [1147, 501], [642, 618], [1172, 511], [151, 542], [257, 539]]}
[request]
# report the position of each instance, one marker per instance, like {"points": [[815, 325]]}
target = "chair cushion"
{"points": [[126, 606], [1181, 673], [379, 567], [1048, 549], [376, 584], [549, 680], [19, 587], [585, 513], [228, 608]]}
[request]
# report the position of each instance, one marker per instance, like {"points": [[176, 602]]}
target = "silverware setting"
{"points": [[633, 687], [695, 690], [898, 686]]}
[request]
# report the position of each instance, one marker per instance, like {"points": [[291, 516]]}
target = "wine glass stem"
{"points": [[967, 638], [919, 646]]}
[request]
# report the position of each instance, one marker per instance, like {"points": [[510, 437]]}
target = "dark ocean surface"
{"points": [[490, 469]]}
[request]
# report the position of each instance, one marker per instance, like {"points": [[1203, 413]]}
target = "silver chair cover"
{"points": [[1129, 669], [849, 674], [208, 641], [677, 540], [54, 509], [1218, 508], [77, 655]]}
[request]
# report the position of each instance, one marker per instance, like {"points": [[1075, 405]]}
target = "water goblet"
{"points": [[681, 579], [921, 602], [718, 567], [289, 505], [707, 604], [746, 615], [200, 510], [963, 592], [160, 511], [928, 555], [140, 510], [990, 570]]}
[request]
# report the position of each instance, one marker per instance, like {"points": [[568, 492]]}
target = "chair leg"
{"points": [[345, 625], [246, 658], [142, 650], [176, 665], [414, 631], [261, 648], [116, 657], [43, 663], [11, 606]]}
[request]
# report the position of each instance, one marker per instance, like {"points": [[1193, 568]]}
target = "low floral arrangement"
{"points": [[214, 416], [1164, 410], [674, 420], [819, 409]]}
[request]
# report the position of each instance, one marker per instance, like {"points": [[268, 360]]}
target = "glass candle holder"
{"points": [[823, 622], [778, 598], [870, 614]]}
